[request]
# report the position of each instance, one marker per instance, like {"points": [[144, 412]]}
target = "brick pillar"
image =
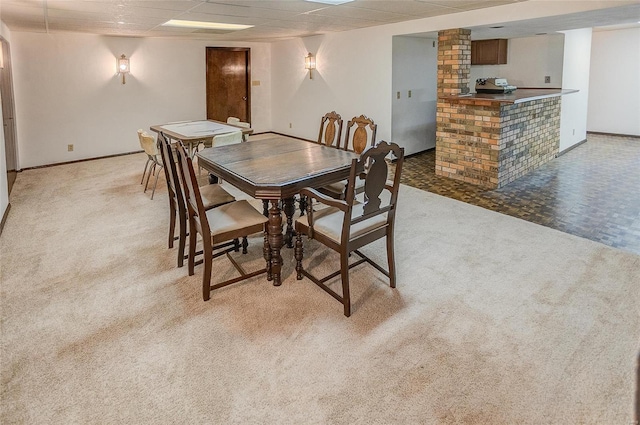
{"points": [[454, 61]]}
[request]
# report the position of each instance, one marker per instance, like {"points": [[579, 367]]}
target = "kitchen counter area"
{"points": [[517, 96], [493, 139], [487, 139]]}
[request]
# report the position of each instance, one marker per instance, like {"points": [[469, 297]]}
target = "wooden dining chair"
{"points": [[212, 195], [356, 140], [150, 147], [330, 134], [330, 130], [360, 133], [219, 228], [347, 225]]}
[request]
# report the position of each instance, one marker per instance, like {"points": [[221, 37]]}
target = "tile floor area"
{"points": [[591, 191]]}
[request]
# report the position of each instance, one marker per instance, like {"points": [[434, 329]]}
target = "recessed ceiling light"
{"points": [[121, 22], [205, 25], [334, 2]]}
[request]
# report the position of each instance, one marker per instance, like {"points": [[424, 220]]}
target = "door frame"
{"points": [[8, 104], [247, 51]]}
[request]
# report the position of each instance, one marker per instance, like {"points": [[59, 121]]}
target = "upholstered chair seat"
{"points": [[329, 222], [214, 195], [225, 220]]}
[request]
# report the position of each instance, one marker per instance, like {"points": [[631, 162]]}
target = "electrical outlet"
{"points": [[409, 93], [398, 95], [547, 79], [290, 125], [69, 148]]}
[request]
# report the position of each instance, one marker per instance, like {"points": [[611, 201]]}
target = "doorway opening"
{"points": [[8, 115]]}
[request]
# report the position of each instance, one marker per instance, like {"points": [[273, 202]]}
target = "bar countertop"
{"points": [[518, 96]]}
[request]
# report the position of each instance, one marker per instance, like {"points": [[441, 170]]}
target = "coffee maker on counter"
{"points": [[494, 85]]}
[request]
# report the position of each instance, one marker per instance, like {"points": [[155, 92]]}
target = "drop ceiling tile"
{"points": [[468, 4], [178, 6], [206, 17], [235, 10], [306, 26], [413, 8], [344, 11], [296, 6]]}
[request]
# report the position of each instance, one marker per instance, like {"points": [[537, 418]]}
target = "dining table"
{"points": [[192, 133], [274, 170]]}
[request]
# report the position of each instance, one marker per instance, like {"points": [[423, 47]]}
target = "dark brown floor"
{"points": [[591, 191]]}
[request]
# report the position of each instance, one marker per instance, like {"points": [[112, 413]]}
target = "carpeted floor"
{"points": [[494, 321]]}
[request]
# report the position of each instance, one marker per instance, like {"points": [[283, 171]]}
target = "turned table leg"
{"points": [[275, 240], [289, 210]]}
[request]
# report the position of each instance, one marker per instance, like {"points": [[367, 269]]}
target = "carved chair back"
{"points": [[361, 132], [330, 130], [372, 167]]}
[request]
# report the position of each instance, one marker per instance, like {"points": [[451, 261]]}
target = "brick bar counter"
{"points": [[492, 139]]}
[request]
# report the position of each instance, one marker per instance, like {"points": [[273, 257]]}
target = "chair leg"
{"points": [[151, 171], [391, 260], [156, 183], [172, 221], [207, 252], [182, 239], [192, 247], [298, 254], [344, 273], [245, 244], [144, 173]]}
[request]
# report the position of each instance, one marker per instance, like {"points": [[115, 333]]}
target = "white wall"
{"points": [[573, 116], [4, 188], [614, 88], [354, 67], [529, 60], [350, 79], [67, 91], [415, 69]]}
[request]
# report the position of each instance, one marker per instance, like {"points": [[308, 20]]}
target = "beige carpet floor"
{"points": [[494, 320]]}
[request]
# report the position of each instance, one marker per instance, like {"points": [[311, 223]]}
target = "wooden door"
{"points": [[228, 76], [8, 115]]}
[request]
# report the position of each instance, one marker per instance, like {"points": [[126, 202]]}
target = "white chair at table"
{"points": [[225, 139], [150, 147], [236, 121]]}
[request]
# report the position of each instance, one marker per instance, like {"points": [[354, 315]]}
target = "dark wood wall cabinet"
{"points": [[489, 52]]}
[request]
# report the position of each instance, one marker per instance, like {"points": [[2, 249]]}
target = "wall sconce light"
{"points": [[123, 67], [310, 64]]}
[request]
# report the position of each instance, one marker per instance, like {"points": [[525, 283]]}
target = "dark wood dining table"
{"points": [[274, 170]]}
